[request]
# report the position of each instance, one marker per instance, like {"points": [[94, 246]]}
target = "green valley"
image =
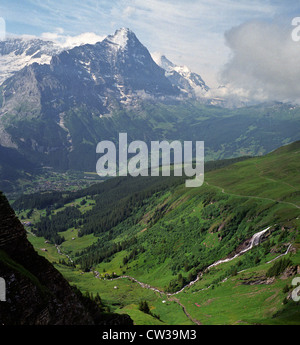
{"points": [[227, 133], [152, 239]]}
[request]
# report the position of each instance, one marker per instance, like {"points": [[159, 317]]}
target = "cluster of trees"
{"points": [[67, 263], [97, 253], [124, 196], [38, 200], [50, 226], [144, 307], [133, 254], [278, 267], [93, 303], [177, 283]]}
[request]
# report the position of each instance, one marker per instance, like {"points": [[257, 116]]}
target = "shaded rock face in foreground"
{"points": [[36, 293]]}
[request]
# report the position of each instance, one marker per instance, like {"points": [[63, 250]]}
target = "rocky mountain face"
{"points": [[36, 293], [120, 61], [118, 69], [39, 102], [181, 76]]}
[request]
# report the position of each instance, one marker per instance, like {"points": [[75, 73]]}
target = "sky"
{"points": [[225, 41]]}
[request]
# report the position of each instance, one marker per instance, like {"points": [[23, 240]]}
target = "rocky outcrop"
{"points": [[36, 293], [258, 280], [290, 272]]}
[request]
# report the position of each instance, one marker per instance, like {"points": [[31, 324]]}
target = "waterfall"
{"points": [[254, 241]]}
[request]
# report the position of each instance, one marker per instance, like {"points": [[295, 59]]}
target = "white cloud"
{"points": [[264, 61], [188, 32], [128, 11], [67, 41]]}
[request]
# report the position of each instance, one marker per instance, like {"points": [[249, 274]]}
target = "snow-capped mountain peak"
{"points": [[121, 38], [162, 61], [181, 76]]}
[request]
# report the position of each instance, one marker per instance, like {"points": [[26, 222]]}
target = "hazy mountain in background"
{"points": [[181, 76]]}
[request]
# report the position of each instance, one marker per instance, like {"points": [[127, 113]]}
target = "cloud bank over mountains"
{"points": [[68, 41], [264, 63]]}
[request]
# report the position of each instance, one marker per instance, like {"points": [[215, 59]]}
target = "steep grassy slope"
{"points": [[274, 176], [36, 293], [164, 234]]}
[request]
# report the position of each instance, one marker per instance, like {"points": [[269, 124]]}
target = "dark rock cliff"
{"points": [[36, 293]]}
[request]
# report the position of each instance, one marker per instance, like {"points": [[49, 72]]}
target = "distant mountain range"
{"points": [[56, 104], [121, 48]]}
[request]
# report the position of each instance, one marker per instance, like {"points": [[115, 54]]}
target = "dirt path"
{"points": [[173, 299], [253, 197]]}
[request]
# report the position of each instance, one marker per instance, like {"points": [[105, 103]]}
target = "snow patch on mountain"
{"points": [[17, 53], [11, 63]]}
